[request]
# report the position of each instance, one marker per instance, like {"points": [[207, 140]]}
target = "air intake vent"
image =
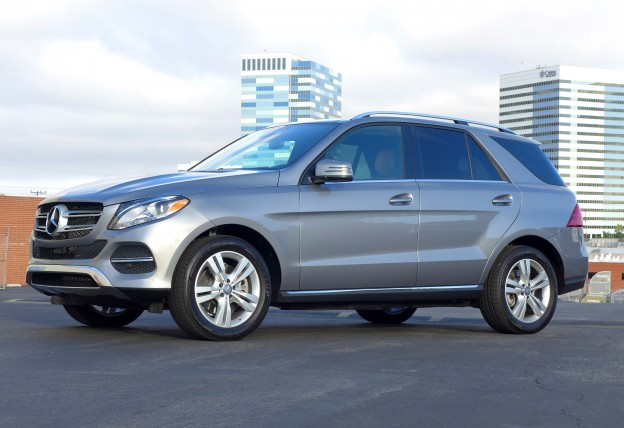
{"points": [[54, 279], [133, 259]]}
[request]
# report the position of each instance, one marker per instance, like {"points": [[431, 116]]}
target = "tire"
{"points": [[520, 294], [221, 289], [102, 316], [393, 315]]}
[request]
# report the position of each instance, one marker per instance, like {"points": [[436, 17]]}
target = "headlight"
{"points": [[145, 210]]}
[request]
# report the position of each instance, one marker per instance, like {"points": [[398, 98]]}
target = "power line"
{"points": [[54, 170], [30, 187]]}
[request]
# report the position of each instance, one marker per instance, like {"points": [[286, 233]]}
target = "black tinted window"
{"points": [[443, 153], [532, 157], [482, 168], [374, 152]]}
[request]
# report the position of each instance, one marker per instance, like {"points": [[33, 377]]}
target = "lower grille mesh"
{"points": [[54, 279], [84, 252]]}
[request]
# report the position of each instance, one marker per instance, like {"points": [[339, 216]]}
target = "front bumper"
{"points": [[60, 267], [77, 285]]}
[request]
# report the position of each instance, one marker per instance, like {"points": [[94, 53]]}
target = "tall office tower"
{"points": [[578, 116], [281, 88]]}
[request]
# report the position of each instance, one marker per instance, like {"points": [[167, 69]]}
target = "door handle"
{"points": [[502, 200], [402, 199]]}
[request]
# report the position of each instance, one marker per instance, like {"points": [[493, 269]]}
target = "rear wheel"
{"points": [[393, 315], [102, 316], [221, 289], [521, 291]]}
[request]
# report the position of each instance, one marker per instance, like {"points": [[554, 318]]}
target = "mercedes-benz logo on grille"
{"points": [[57, 220]]}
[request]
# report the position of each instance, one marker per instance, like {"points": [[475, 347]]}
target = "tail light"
{"points": [[576, 219]]}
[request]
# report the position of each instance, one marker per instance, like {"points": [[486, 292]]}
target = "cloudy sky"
{"points": [[93, 90]]}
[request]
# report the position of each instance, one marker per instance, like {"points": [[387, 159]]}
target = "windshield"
{"points": [[270, 148]]}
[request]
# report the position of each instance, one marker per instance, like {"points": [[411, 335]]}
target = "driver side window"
{"points": [[374, 152]]}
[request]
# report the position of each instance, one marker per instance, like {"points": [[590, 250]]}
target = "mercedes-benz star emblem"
{"points": [[57, 220]]}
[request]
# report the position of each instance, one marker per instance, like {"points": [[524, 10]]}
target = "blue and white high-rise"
{"points": [[282, 88], [578, 116]]}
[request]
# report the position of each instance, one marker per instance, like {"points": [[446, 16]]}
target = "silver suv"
{"points": [[383, 213]]}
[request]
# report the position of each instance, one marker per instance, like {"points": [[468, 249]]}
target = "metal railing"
{"points": [[456, 120]]}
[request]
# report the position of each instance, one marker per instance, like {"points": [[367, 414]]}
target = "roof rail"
{"points": [[433, 116]]}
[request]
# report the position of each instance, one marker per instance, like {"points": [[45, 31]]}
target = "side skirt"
{"points": [[455, 295]]}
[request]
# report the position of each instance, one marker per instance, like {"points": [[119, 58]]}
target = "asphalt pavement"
{"points": [[443, 368]]}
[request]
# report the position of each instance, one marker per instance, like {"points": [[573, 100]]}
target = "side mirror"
{"points": [[330, 170]]}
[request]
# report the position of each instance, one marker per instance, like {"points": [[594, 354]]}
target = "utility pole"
{"points": [[38, 192]]}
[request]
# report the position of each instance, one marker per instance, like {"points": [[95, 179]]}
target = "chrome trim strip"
{"points": [[384, 290], [134, 260], [84, 214], [78, 227], [94, 273], [402, 180]]}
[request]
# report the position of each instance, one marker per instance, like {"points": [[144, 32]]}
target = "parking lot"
{"points": [[444, 367]]}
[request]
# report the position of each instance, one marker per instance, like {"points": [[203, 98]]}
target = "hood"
{"points": [[111, 192]]}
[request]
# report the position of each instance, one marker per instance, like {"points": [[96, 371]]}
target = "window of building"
{"points": [[264, 63], [273, 63], [375, 152], [253, 64], [244, 68], [283, 63]]}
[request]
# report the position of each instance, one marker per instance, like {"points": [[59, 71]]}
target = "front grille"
{"points": [[133, 259], [69, 253], [54, 279], [79, 219], [73, 206]]}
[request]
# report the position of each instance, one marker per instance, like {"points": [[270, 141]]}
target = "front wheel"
{"points": [[221, 289], [102, 316], [394, 315], [520, 294]]}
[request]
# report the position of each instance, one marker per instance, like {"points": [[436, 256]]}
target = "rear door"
{"points": [[466, 206]]}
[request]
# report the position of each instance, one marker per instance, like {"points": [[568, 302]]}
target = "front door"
{"points": [[362, 234]]}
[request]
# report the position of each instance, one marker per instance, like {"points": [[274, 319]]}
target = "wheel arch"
{"points": [[258, 241], [547, 249]]}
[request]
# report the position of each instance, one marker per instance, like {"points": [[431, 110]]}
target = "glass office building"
{"points": [[281, 87], [578, 116]]}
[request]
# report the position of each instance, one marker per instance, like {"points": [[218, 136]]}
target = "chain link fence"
{"points": [[4, 258]]}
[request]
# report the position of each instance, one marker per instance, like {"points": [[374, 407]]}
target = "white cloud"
{"points": [[98, 88]]}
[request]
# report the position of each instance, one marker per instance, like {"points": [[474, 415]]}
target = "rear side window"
{"points": [[533, 159], [451, 155], [444, 154], [482, 168]]}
